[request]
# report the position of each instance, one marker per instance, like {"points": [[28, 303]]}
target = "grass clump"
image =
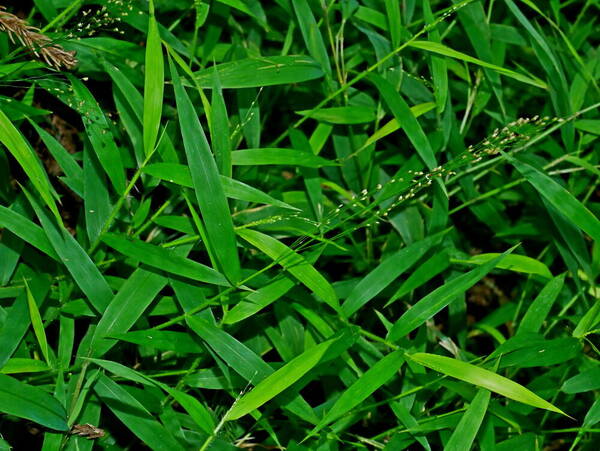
{"points": [[299, 225]]}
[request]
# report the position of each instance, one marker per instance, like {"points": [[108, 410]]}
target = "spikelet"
{"points": [[31, 37]]}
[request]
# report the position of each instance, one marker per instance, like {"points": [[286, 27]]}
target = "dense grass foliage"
{"points": [[299, 224]]}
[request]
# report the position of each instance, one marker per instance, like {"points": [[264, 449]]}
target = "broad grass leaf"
{"points": [[96, 202], [100, 135], [234, 189], [463, 436], [197, 411], [165, 340], [421, 275], [586, 380], [513, 262], [163, 259], [313, 40], [345, 115], [380, 373], [23, 365], [278, 381], [135, 416], [237, 355], [32, 403], [27, 158], [385, 273], [72, 170], [220, 135], [573, 210], [441, 49], [207, 184], [541, 354], [473, 20], [79, 264], [482, 378], [540, 307], [277, 156], [439, 68], [28, 231], [294, 263], [259, 299], [392, 125], [153, 84], [439, 298], [405, 117], [13, 330], [125, 309], [251, 7], [260, 71], [37, 324]]}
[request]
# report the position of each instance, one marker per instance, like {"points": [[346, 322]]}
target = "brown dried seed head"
{"points": [[40, 44]]}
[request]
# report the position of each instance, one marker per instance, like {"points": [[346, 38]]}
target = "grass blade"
{"points": [[163, 259], [483, 378], [32, 403], [440, 298], [294, 263], [26, 157], [281, 379], [134, 415], [207, 185], [387, 271], [153, 84], [464, 435], [573, 210], [369, 382]]}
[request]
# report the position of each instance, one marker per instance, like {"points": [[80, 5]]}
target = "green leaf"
{"points": [[219, 129], [392, 125], [153, 85], [387, 271], [311, 34], [100, 135], [260, 71], [165, 340], [380, 373], [441, 49], [242, 359], [22, 365], [72, 170], [440, 298], [276, 156], [134, 415], [78, 262], [259, 299], [31, 403], [405, 117], [125, 309], [27, 158], [277, 382], [483, 378], [37, 324], [207, 184], [234, 189], [513, 262], [294, 263], [463, 436], [587, 380], [540, 307], [26, 230], [573, 210], [163, 259], [342, 115]]}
